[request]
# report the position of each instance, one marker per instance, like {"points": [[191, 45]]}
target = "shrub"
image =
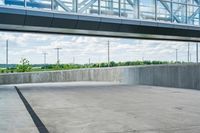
{"points": [[24, 66]]}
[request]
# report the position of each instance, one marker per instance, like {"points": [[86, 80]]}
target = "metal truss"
{"points": [[173, 11]]}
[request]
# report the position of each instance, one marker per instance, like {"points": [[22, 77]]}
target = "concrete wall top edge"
{"points": [[106, 68]]}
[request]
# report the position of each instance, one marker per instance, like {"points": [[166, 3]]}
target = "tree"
{"points": [[113, 64], [24, 66]]}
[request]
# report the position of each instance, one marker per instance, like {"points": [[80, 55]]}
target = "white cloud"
{"points": [[33, 45]]}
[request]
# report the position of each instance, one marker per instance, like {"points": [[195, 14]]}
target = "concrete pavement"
{"points": [[103, 108], [14, 117]]}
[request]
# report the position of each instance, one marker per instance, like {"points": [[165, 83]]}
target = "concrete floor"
{"points": [[14, 117], [101, 108]]}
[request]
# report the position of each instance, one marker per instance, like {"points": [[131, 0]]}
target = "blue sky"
{"points": [[31, 46]]}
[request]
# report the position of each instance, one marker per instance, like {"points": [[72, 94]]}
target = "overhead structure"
{"points": [[150, 19]]}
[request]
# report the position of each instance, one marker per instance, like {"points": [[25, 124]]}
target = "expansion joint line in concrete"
{"points": [[38, 123]]}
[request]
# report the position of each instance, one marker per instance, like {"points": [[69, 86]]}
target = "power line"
{"points": [[108, 52]]}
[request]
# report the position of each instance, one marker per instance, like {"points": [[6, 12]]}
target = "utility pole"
{"points": [[108, 53], [58, 55], [89, 62], [188, 52], [197, 52], [45, 54], [99, 63], [176, 55], [73, 60], [7, 54]]}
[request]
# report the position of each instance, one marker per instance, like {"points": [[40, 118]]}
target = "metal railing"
{"points": [[169, 11]]}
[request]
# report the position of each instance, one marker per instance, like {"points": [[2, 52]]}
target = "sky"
{"points": [[81, 48]]}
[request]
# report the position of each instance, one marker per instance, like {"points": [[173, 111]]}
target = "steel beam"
{"points": [[61, 4], [82, 3], [130, 2], [86, 6], [168, 9], [196, 11]]}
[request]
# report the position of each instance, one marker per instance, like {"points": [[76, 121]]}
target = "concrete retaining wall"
{"points": [[181, 76], [119, 75]]}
